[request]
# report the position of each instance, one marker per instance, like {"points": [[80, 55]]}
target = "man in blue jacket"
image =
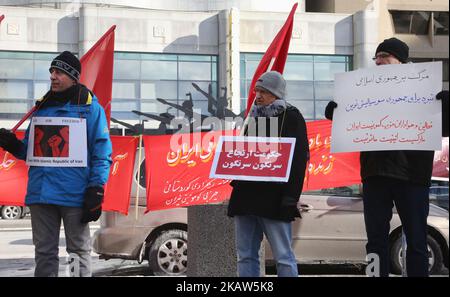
{"points": [[68, 148]]}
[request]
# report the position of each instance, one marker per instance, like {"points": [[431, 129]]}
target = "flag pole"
{"points": [[138, 176]]}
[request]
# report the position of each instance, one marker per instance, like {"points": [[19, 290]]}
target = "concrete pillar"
{"points": [[211, 242]]}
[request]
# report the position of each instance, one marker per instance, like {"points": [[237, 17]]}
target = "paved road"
{"points": [[17, 257]]}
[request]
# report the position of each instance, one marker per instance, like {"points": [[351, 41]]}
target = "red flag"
{"points": [[97, 70], [326, 170], [275, 54], [13, 178], [2, 17], [440, 164], [180, 177], [118, 187]]}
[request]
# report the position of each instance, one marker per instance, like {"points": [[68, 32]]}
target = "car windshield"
{"points": [[345, 191], [439, 193]]}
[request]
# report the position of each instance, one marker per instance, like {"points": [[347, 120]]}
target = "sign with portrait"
{"points": [[57, 142]]}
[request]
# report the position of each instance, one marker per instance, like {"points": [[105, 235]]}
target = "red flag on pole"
{"points": [[118, 187], [2, 17], [275, 56], [97, 69]]}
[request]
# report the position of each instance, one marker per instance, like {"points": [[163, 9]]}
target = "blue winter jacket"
{"points": [[66, 186]]}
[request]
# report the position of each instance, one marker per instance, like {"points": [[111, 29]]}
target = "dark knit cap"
{"points": [[395, 47], [68, 63]]}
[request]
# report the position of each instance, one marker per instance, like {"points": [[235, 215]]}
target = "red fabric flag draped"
{"points": [[118, 188], [326, 170], [2, 17], [180, 177], [97, 70], [13, 178], [277, 52]]}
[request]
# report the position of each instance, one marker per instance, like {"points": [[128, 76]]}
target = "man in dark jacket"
{"points": [[270, 207], [400, 177]]}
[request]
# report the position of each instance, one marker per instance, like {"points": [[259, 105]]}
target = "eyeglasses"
{"points": [[381, 55]]}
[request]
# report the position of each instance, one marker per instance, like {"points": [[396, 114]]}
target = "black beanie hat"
{"points": [[68, 63], [395, 47]]}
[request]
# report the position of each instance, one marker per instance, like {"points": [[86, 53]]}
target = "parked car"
{"points": [[10, 212], [439, 192], [331, 231]]}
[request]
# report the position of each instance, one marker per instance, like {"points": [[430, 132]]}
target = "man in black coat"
{"points": [[270, 207], [402, 177]]}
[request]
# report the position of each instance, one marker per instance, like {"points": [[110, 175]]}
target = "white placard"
{"points": [[388, 107], [57, 142]]}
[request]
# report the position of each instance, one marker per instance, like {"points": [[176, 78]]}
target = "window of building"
{"points": [[418, 22], [411, 22], [440, 22], [24, 77], [141, 78], [309, 80]]}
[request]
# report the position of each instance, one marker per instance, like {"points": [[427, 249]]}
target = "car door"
{"points": [[332, 226]]}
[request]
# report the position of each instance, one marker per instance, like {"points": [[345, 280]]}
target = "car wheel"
{"points": [[11, 212], [168, 253], [435, 257]]}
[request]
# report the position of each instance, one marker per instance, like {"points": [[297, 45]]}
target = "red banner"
{"points": [[97, 70], [118, 188], [178, 176], [440, 164], [13, 178], [327, 170], [275, 56]]}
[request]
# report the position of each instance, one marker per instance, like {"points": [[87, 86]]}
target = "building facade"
{"points": [[162, 48]]}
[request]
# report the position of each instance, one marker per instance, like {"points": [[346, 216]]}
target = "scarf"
{"points": [[272, 110]]}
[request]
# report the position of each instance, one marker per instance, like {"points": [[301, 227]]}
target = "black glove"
{"points": [[92, 205], [9, 141], [288, 208], [330, 109], [443, 96]]}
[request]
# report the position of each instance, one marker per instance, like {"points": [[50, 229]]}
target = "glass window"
{"points": [[324, 89], [14, 90], [320, 109], [411, 22], [40, 89], [298, 71], [186, 87], [159, 89], [309, 80], [194, 71], [41, 70], [299, 90], [148, 76], [305, 107], [326, 71], [16, 69], [125, 90], [440, 22], [126, 69], [159, 70]]}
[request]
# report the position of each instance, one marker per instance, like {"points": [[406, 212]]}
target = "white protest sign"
{"points": [[57, 142], [388, 107]]}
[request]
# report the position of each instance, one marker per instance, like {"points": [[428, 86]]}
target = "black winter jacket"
{"points": [[265, 199]]}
